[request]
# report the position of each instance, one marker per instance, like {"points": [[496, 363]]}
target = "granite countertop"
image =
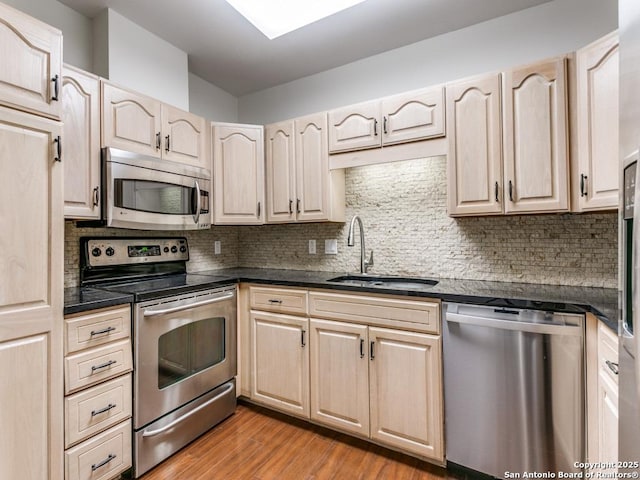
{"points": [[82, 299], [602, 302]]}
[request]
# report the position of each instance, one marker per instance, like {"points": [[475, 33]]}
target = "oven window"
{"points": [[154, 197], [189, 349]]}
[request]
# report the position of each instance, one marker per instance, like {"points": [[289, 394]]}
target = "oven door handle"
{"points": [[152, 313], [196, 217], [169, 426]]}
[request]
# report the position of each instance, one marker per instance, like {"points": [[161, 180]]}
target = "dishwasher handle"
{"points": [[514, 325]]}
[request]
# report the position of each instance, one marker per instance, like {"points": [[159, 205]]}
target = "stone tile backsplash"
{"points": [[403, 207]]}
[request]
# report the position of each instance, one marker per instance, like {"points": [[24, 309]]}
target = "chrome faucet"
{"points": [[364, 263]]}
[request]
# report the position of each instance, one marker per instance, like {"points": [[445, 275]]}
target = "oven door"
{"points": [[155, 194], [183, 347]]}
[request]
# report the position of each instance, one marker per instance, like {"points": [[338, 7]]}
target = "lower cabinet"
{"points": [[607, 395], [98, 389], [375, 375]]}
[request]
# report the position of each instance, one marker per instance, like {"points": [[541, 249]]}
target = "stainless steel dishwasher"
{"points": [[514, 389]]}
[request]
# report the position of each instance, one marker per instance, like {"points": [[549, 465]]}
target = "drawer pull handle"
{"points": [[302, 332], [100, 332], [104, 365], [362, 348], [56, 88], [96, 466], [272, 300], [614, 367], [372, 352], [102, 410]]}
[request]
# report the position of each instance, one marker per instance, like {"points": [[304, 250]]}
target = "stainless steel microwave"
{"points": [[147, 193]]}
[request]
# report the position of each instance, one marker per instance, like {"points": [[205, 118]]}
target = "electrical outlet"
{"points": [[331, 247], [216, 247], [312, 247]]}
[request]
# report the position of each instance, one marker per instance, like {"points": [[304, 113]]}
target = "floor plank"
{"points": [[258, 444]]}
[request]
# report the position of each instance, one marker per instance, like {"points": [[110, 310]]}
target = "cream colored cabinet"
{"points": [[401, 118], [81, 120], [98, 389], [280, 362], [474, 175], [238, 174], [528, 172], [535, 138], [300, 186], [136, 123], [607, 395], [339, 375], [31, 246], [31, 73], [595, 172]]}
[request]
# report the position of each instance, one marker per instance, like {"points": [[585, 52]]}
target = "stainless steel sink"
{"points": [[384, 281]]}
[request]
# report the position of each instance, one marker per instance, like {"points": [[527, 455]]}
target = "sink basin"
{"points": [[384, 281]]}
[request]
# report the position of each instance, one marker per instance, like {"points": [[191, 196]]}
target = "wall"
{"points": [[403, 207], [144, 62], [211, 102], [76, 28], [201, 256], [546, 30]]}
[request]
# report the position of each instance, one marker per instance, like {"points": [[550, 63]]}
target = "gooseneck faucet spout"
{"points": [[364, 263]]}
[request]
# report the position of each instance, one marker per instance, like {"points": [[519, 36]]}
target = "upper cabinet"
{"points": [[238, 173], [595, 159], [401, 118], [81, 125], [535, 138], [300, 186], [31, 73], [134, 122], [509, 156]]}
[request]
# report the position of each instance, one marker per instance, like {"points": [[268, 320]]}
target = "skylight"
{"points": [[277, 17]]}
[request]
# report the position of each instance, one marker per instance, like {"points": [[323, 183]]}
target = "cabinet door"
{"points": [[184, 137], [31, 73], [413, 116], [130, 121], [608, 420], [312, 168], [31, 246], [474, 176], [238, 172], [355, 127], [280, 171], [535, 138], [280, 362], [81, 120], [597, 129], [339, 375], [406, 391]]}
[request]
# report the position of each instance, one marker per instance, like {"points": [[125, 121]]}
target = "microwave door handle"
{"points": [[196, 217], [152, 313]]}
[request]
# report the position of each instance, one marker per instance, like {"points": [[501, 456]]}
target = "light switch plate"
{"points": [[312, 247], [331, 247], [216, 247]]}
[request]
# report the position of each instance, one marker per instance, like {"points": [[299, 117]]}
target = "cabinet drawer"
{"points": [[423, 316], [97, 408], [96, 328], [607, 352], [280, 300], [96, 365], [102, 457]]}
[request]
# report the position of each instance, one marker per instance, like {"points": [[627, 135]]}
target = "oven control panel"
{"points": [[103, 252]]}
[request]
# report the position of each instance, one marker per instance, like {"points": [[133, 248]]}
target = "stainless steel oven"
{"points": [[152, 194], [184, 339], [183, 346]]}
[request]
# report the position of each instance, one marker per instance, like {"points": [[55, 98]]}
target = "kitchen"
{"points": [[423, 241]]}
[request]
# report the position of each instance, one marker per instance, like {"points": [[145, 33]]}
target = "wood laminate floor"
{"points": [[257, 444]]}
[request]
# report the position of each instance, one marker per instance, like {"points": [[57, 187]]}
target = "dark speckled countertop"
{"points": [[603, 302]]}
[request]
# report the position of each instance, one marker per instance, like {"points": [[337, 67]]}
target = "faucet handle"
{"points": [[369, 263]]}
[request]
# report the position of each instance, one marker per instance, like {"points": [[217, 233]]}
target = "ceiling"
{"points": [[228, 51]]}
